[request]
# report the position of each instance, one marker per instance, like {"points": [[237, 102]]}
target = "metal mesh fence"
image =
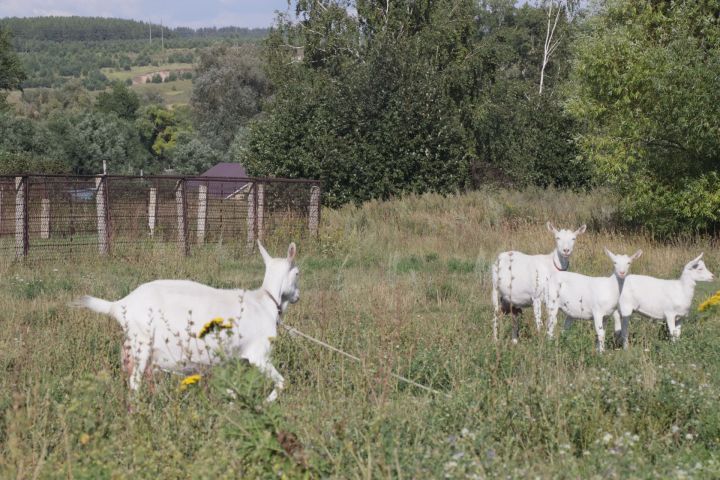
{"points": [[55, 216]]}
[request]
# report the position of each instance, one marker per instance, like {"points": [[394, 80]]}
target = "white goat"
{"points": [[180, 325], [661, 299], [580, 296], [520, 280]]}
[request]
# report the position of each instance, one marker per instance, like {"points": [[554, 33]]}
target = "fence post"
{"points": [[201, 213], [260, 210], [21, 217], [180, 203], [314, 210], [152, 210], [101, 202], [45, 216], [1, 209], [251, 217]]}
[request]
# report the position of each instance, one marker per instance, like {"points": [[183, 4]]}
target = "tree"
{"points": [[646, 89], [159, 129], [119, 100], [559, 14], [86, 140], [11, 70], [26, 146], [228, 90], [191, 155], [410, 96]]}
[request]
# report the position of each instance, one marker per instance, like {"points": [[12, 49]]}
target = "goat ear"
{"points": [[581, 230], [265, 255], [550, 227], [609, 254], [292, 250], [636, 255], [696, 260]]}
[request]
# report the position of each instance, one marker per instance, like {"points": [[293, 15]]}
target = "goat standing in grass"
{"points": [[661, 299], [580, 296], [181, 326], [520, 280]]}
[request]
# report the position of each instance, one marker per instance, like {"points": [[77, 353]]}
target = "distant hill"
{"points": [[61, 29]]}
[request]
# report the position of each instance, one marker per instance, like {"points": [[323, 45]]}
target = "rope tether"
{"points": [[357, 359]]}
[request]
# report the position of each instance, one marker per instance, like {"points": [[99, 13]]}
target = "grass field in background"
{"points": [[405, 285], [120, 74], [174, 93]]}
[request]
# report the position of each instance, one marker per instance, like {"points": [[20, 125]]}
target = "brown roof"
{"points": [[224, 170]]}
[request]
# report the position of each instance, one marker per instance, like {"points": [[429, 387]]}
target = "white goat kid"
{"points": [[181, 326], [583, 297], [520, 280], [661, 299]]}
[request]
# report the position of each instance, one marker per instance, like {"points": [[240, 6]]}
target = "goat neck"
{"points": [[687, 282], [272, 289], [560, 262], [620, 281]]}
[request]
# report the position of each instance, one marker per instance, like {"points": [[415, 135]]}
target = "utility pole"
{"points": [[162, 38], [150, 26]]}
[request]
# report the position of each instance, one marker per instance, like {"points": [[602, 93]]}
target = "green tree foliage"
{"points": [[647, 91], [86, 140], [119, 100], [27, 147], [159, 129], [57, 49], [84, 29], [11, 70], [192, 155], [228, 90], [421, 96]]}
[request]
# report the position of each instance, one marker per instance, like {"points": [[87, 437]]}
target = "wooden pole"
{"points": [[314, 210], [21, 220], [152, 210], [180, 204], [202, 213], [45, 218], [251, 226], [101, 203], [260, 211]]}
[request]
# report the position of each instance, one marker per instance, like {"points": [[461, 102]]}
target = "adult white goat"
{"points": [[580, 296], [520, 280], [661, 299], [181, 326]]}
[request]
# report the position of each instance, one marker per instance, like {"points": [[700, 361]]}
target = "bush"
{"points": [[667, 209]]}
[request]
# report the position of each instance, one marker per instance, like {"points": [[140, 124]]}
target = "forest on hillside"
{"points": [[90, 29], [425, 96]]}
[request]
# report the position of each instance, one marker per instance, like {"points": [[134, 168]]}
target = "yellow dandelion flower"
{"points": [[217, 323], [190, 380], [713, 300], [84, 439]]}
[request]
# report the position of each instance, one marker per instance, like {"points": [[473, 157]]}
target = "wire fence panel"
{"points": [[56, 216]]}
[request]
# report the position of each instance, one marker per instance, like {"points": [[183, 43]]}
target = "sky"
{"points": [[186, 13]]}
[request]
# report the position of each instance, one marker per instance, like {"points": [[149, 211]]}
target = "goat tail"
{"points": [[95, 304]]}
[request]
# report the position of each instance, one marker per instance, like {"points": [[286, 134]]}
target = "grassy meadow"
{"points": [[121, 74], [405, 285]]}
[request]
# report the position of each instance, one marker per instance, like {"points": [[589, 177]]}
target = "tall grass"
{"points": [[404, 285]]}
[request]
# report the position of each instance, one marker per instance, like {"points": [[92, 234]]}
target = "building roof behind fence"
{"points": [[227, 170]]}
